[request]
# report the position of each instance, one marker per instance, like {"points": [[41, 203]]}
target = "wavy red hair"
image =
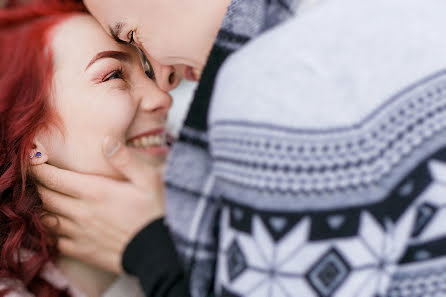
{"points": [[25, 86]]}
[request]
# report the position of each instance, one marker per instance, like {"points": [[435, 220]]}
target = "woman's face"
{"points": [[101, 89]]}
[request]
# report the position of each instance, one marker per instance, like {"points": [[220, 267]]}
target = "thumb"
{"points": [[132, 167]]}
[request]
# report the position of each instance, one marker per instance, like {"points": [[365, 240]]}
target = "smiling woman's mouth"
{"points": [[152, 143], [148, 141]]}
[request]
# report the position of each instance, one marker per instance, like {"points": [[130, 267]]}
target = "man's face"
{"points": [[170, 31]]}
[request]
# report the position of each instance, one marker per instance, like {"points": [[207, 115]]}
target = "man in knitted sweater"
{"points": [[312, 163]]}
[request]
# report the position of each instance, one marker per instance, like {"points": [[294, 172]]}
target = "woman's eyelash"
{"points": [[150, 74], [116, 74], [149, 70], [147, 66]]}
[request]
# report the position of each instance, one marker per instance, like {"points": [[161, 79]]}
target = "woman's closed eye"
{"points": [[116, 74]]}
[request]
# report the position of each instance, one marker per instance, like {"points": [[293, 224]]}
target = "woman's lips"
{"points": [[154, 150], [150, 133], [154, 142]]}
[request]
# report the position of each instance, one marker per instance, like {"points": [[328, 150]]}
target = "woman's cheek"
{"points": [[122, 108], [117, 115]]}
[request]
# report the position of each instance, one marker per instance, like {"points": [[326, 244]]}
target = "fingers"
{"points": [[70, 183], [60, 226], [130, 165], [60, 180], [103, 259], [83, 186], [58, 203]]}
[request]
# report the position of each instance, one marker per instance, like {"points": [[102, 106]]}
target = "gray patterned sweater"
{"points": [[319, 167]]}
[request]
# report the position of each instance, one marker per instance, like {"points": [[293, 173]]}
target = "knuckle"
{"points": [[43, 193], [47, 198], [51, 222]]}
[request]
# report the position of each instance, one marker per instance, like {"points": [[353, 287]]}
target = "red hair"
{"points": [[25, 83]]}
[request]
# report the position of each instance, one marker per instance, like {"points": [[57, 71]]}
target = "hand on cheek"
{"points": [[98, 216]]}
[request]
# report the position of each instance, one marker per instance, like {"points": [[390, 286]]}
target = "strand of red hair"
{"points": [[25, 84]]}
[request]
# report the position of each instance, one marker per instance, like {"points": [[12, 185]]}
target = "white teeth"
{"points": [[148, 141], [145, 141]]}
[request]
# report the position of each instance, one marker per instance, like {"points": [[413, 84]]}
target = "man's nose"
{"points": [[167, 77]]}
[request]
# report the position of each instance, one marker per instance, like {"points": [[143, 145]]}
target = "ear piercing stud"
{"points": [[37, 155]]}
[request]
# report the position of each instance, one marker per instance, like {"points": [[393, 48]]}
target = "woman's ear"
{"points": [[38, 154]]}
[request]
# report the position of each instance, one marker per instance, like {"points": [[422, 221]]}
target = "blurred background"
{"points": [[182, 97]]}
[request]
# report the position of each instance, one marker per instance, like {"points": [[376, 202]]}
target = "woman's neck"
{"points": [[90, 280]]}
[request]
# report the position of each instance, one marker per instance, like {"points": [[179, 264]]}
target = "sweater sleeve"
{"points": [[152, 258]]}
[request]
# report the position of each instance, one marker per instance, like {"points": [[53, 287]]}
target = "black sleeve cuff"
{"points": [[152, 258]]}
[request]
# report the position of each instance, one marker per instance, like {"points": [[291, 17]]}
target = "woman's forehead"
{"points": [[81, 37]]}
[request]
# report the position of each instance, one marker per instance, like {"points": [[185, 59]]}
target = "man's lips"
{"points": [[170, 139]]}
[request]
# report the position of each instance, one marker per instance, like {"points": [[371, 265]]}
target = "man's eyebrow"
{"points": [[116, 30], [121, 56]]}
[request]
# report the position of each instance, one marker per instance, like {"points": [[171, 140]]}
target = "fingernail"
{"points": [[111, 146]]}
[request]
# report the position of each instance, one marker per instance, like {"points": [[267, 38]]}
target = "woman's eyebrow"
{"points": [[121, 56], [116, 30]]}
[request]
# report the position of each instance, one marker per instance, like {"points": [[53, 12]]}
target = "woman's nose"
{"points": [[167, 77], [155, 100]]}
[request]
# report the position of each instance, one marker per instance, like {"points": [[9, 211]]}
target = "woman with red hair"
{"points": [[64, 86]]}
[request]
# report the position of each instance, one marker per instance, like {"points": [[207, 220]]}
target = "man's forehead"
{"points": [[115, 30]]}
